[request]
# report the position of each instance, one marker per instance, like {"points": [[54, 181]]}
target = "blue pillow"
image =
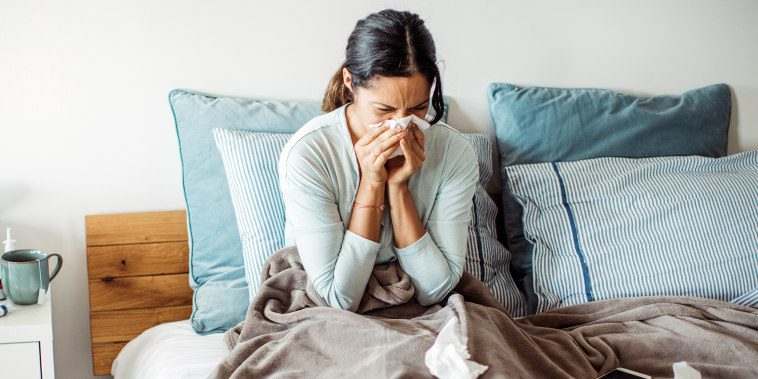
{"points": [[250, 160], [615, 227], [539, 124], [216, 268]]}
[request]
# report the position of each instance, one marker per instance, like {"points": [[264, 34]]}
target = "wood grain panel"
{"points": [[129, 228], [119, 326], [134, 260], [103, 357], [139, 292], [137, 266]]}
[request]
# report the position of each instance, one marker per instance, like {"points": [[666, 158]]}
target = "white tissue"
{"points": [[684, 371], [403, 124], [449, 357]]}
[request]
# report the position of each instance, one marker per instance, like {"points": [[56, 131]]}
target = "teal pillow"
{"points": [[216, 267], [540, 124]]}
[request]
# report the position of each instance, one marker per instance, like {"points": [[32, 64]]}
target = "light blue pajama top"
{"points": [[318, 175]]}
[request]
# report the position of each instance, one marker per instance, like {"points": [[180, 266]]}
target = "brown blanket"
{"points": [[291, 332]]}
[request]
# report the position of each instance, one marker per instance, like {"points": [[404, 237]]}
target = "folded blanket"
{"points": [[290, 331]]}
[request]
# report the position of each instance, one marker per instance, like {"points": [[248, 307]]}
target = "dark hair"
{"points": [[387, 43]]}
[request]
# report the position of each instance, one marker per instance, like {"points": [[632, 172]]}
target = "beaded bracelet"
{"points": [[359, 205]]}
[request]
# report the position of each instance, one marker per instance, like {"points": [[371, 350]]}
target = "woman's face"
{"points": [[389, 98]]}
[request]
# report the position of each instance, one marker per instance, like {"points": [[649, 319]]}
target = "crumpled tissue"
{"points": [[684, 371], [448, 358], [403, 124]]}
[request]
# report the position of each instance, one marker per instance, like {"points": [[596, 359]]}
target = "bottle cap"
{"points": [[10, 244]]}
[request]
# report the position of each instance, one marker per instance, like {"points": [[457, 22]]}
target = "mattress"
{"points": [[170, 350]]}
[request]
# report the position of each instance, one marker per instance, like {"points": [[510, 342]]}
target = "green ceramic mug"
{"points": [[25, 273]]}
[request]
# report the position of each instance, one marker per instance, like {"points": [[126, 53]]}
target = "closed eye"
{"points": [[386, 109]]}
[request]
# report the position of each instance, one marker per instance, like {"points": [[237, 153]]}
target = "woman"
{"points": [[349, 207]]}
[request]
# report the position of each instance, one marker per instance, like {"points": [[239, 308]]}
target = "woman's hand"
{"points": [[400, 169], [373, 150]]}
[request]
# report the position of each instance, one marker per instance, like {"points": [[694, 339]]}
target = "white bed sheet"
{"points": [[170, 350]]}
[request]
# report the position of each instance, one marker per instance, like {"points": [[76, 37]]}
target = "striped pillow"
{"points": [[613, 227], [749, 299], [486, 258], [250, 161]]}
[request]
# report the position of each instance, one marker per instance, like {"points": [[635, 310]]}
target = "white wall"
{"points": [[85, 126]]}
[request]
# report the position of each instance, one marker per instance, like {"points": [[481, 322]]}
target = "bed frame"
{"points": [[137, 266]]}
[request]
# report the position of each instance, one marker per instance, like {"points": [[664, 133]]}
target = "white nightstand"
{"points": [[26, 340]]}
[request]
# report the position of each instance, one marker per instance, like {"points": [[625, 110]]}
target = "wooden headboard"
{"points": [[137, 266]]}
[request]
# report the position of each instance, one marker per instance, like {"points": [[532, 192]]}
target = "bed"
{"points": [[597, 189]]}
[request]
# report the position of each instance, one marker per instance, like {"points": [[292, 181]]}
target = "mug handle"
{"points": [[57, 266]]}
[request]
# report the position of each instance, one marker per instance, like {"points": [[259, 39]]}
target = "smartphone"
{"points": [[624, 373]]}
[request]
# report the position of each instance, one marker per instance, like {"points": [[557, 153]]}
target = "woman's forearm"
{"points": [[429, 268], [366, 220], [406, 223]]}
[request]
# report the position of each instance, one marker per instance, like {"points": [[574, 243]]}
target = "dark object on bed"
{"points": [[622, 373], [290, 331], [137, 267]]}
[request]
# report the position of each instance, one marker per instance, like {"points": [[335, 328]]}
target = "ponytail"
{"points": [[438, 101], [337, 94]]}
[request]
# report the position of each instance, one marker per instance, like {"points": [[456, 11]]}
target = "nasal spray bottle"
{"points": [[10, 244]]}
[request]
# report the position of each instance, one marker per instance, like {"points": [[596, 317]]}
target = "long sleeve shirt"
{"points": [[319, 177]]}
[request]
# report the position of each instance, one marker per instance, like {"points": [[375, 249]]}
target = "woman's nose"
{"points": [[401, 114]]}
